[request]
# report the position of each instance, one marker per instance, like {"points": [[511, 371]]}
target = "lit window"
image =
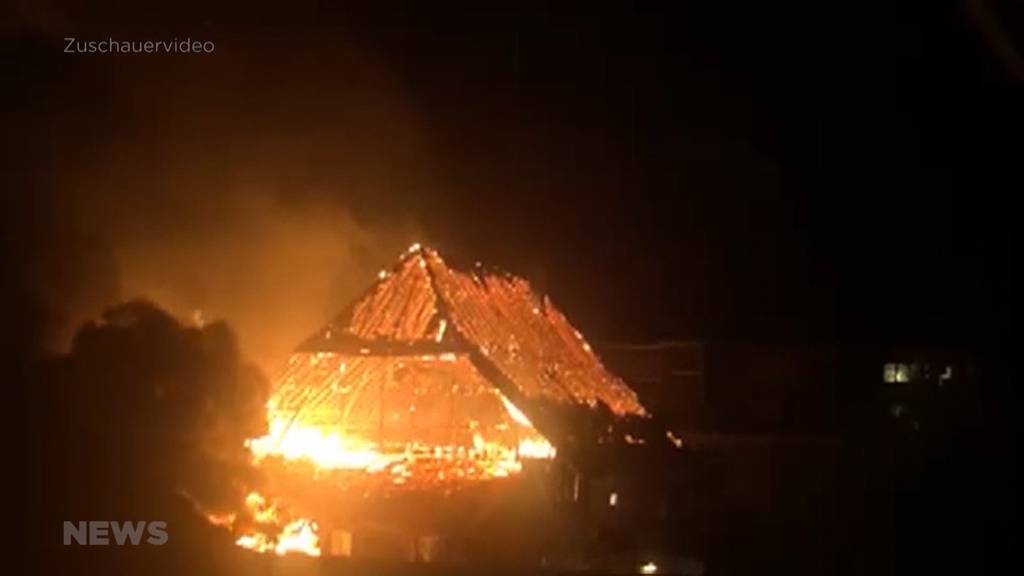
{"points": [[613, 499], [649, 568], [889, 373], [946, 376], [896, 373], [902, 373]]}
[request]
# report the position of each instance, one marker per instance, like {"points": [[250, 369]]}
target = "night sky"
{"points": [[712, 170]]}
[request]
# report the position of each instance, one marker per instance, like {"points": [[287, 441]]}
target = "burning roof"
{"points": [[508, 332], [432, 365]]}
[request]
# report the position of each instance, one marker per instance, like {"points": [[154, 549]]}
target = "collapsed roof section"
{"points": [[515, 338]]}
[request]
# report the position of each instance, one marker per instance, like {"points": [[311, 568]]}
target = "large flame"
{"points": [[329, 449], [267, 531], [418, 419], [298, 536], [326, 449]]}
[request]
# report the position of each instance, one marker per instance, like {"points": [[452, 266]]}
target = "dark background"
{"points": [[711, 169], [794, 172]]}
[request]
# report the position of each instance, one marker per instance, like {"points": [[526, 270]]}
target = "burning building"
{"points": [[433, 381]]}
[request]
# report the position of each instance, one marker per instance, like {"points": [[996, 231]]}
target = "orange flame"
{"points": [[297, 536]]}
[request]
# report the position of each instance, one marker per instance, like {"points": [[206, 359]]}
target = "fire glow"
{"points": [[328, 448], [295, 441], [267, 530], [410, 389]]}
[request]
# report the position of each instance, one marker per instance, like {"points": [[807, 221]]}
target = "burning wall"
{"points": [[397, 415]]}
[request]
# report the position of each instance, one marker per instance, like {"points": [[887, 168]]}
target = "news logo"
{"points": [[112, 533]]}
